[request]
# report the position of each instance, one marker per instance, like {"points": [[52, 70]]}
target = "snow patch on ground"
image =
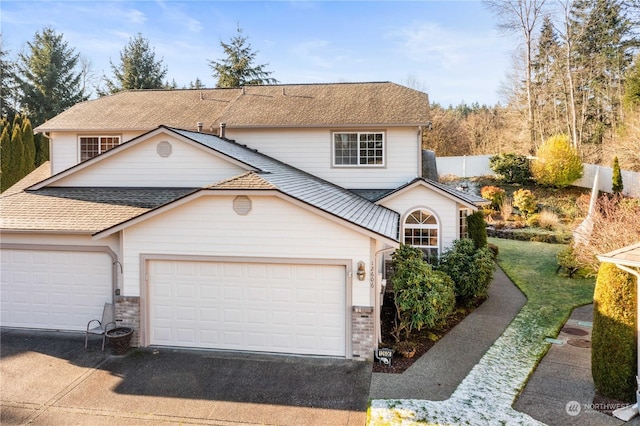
{"points": [[485, 396]]}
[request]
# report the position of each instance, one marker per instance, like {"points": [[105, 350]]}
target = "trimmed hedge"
{"points": [[613, 342]]}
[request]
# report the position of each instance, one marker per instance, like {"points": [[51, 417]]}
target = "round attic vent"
{"points": [[164, 149], [242, 205]]}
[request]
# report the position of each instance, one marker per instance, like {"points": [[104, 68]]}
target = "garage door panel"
{"points": [[53, 289], [259, 307]]}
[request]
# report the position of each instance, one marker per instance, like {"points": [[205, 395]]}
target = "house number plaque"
{"points": [[384, 355]]}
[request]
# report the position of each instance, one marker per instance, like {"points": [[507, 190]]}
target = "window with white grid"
{"points": [[90, 146], [421, 231], [358, 149]]}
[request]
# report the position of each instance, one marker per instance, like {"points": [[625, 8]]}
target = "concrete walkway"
{"points": [[438, 373], [563, 379], [472, 375]]}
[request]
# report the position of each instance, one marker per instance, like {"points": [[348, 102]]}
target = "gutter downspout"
{"points": [[379, 294], [627, 413], [420, 165], [636, 273]]}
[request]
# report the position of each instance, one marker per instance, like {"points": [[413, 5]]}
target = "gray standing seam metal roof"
{"points": [[305, 187]]}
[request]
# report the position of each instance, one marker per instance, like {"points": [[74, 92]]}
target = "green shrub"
{"points": [[494, 194], [567, 259], [533, 220], [557, 164], [423, 297], [477, 229], [616, 184], [613, 342], [470, 269], [525, 201], [511, 168]]}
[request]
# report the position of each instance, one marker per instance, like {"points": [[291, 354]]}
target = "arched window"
{"points": [[421, 231]]}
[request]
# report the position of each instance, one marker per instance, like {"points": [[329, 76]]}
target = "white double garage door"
{"points": [[249, 306], [268, 307]]}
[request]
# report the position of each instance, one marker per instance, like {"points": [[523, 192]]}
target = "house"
{"points": [[250, 219]]}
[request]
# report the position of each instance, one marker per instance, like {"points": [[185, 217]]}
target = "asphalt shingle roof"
{"points": [[291, 105]]}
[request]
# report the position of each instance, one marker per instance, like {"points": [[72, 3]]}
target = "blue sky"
{"points": [[450, 49]]}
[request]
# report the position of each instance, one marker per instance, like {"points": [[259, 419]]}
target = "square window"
{"points": [[358, 148]]}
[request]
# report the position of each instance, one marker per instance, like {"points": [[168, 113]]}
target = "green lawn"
{"points": [[532, 267]]}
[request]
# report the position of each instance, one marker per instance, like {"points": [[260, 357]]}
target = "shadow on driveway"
{"points": [[54, 370]]}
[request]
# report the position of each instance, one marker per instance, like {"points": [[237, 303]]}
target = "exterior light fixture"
{"points": [[361, 273]]}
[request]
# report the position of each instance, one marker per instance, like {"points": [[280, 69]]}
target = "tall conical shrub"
{"points": [[616, 185]]}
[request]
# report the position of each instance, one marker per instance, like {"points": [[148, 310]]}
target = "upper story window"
{"points": [[358, 149], [90, 146]]}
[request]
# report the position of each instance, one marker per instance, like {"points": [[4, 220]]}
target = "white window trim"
{"points": [[80, 137], [437, 227], [358, 133]]}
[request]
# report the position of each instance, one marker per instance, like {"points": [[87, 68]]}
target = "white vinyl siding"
{"points": [[273, 229], [311, 150], [445, 210], [143, 165], [65, 148]]}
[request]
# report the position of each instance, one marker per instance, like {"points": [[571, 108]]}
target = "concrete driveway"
{"points": [[49, 378]]}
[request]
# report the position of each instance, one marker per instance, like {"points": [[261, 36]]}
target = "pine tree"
{"points": [[14, 152], [48, 82], [138, 68], [237, 68]]}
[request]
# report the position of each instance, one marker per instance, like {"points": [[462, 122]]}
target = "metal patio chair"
{"points": [[107, 323]]}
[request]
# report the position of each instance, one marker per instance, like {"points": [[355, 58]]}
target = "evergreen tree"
{"points": [[42, 148], [7, 84], [198, 84], [48, 82], [28, 163], [138, 68], [237, 68], [5, 165], [616, 186], [632, 85], [604, 40], [547, 84], [12, 157]]}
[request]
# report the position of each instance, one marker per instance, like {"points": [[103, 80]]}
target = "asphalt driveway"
{"points": [[49, 378]]}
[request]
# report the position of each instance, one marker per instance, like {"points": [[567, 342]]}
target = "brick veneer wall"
{"points": [[362, 336], [128, 315]]}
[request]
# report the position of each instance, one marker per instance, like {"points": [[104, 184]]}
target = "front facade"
{"points": [[264, 229]]}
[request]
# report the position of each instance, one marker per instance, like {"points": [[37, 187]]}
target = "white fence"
{"points": [[478, 165]]}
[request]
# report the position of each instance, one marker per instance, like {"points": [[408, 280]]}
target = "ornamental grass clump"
{"points": [[470, 269], [423, 297]]}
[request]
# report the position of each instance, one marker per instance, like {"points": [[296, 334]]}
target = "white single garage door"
{"points": [[61, 290], [285, 308]]}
